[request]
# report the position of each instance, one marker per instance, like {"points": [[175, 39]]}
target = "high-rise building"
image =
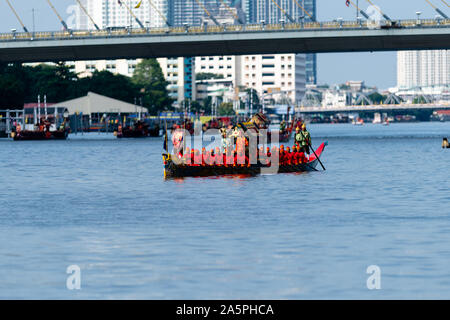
{"points": [[275, 72], [180, 76], [265, 10], [425, 68], [289, 72], [113, 13]]}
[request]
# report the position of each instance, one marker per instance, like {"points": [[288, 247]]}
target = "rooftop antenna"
{"points": [[160, 13], [304, 10], [358, 9], [208, 13], [437, 9], [64, 24], [134, 16], [231, 11], [378, 9], [17, 16], [87, 13], [284, 11]]}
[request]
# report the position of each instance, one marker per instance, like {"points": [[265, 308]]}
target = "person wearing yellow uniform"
{"points": [[303, 139]]}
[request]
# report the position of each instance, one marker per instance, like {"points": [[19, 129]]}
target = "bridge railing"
{"points": [[121, 32]]}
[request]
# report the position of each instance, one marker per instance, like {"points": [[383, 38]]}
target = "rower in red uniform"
{"points": [[242, 159], [282, 155], [187, 156], [197, 158], [208, 158], [218, 158], [295, 155], [192, 157], [204, 155], [288, 156]]}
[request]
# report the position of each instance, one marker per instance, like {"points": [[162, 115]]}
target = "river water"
{"points": [[101, 203]]}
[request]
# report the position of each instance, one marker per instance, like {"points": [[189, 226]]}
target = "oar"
{"points": [[309, 144]]}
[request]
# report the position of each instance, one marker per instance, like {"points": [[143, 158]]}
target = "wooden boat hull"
{"points": [[172, 170], [40, 135]]}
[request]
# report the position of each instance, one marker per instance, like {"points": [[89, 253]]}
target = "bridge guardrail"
{"points": [[327, 25]]}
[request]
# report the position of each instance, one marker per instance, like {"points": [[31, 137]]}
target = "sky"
{"points": [[378, 68]]}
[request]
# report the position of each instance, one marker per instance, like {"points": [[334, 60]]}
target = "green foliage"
{"points": [[115, 86], [57, 82], [149, 79], [419, 100], [208, 75], [377, 98], [22, 84], [12, 87], [226, 109]]}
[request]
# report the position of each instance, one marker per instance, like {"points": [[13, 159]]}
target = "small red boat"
{"points": [[172, 170]]}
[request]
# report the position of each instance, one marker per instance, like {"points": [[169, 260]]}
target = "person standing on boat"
{"points": [[282, 127], [303, 139]]}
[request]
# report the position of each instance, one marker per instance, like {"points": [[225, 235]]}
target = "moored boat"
{"points": [[173, 170], [28, 135], [140, 129]]}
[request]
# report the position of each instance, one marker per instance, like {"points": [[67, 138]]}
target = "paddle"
{"points": [[309, 144]]}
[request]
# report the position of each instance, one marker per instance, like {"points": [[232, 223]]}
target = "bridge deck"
{"points": [[224, 40]]}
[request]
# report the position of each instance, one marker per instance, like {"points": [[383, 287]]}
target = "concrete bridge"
{"points": [[336, 36]]}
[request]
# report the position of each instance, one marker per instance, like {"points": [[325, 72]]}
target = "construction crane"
{"points": [[134, 16], [89, 16], [378, 9], [207, 12], [304, 10], [64, 24], [443, 1], [159, 12], [437, 9], [284, 11], [232, 12], [360, 10], [17, 16]]}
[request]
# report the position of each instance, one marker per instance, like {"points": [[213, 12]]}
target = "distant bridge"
{"points": [[336, 36], [374, 108]]}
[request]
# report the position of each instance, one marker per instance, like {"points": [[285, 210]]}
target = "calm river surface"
{"points": [[102, 204]]}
